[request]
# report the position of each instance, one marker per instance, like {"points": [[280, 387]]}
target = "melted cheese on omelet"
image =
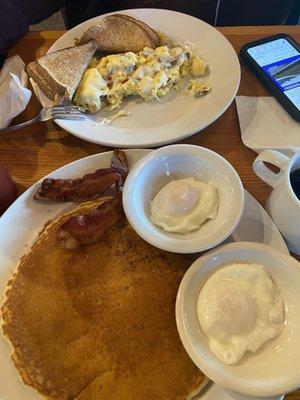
{"points": [[149, 74], [90, 90]]}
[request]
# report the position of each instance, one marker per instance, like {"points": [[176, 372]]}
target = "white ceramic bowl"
{"points": [[161, 166], [275, 369]]}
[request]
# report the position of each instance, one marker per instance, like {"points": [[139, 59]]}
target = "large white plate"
{"points": [[177, 115], [24, 219]]}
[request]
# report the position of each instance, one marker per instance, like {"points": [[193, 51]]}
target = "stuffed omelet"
{"points": [[150, 74]]}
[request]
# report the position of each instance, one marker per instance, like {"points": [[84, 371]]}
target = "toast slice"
{"points": [[153, 35], [117, 34], [58, 74], [51, 89]]}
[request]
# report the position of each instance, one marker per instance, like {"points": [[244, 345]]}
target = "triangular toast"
{"points": [[116, 34], [59, 73]]}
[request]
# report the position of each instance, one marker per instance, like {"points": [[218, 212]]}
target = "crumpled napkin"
{"points": [[14, 96], [265, 124]]}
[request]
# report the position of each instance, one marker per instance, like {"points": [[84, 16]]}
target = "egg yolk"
{"points": [[239, 309], [236, 309], [179, 198]]}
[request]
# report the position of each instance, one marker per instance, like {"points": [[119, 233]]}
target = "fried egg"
{"points": [[239, 309], [183, 205]]}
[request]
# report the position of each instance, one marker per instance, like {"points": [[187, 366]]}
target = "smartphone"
{"points": [[275, 60]]}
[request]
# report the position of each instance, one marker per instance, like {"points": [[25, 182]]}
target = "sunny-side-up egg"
{"points": [[183, 205], [239, 309]]}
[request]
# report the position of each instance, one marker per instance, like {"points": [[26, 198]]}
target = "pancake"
{"points": [[98, 322]]}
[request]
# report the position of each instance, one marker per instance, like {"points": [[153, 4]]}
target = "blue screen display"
{"points": [[281, 62]]}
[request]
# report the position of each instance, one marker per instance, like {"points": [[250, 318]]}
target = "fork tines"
{"points": [[70, 112]]}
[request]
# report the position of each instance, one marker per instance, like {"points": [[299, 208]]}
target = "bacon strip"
{"points": [[89, 186], [119, 162], [88, 227], [79, 189]]}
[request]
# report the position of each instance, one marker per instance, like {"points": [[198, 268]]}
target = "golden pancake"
{"points": [[98, 322]]}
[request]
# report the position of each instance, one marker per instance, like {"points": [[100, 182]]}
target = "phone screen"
{"points": [[281, 62]]}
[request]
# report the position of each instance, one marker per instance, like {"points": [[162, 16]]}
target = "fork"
{"points": [[68, 112]]}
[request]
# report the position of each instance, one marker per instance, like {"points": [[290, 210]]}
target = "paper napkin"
{"points": [[14, 96], [264, 124]]}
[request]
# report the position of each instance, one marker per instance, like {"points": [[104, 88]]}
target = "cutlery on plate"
{"points": [[68, 112]]}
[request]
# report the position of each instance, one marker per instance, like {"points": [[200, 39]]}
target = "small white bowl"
{"points": [[275, 369], [161, 166]]}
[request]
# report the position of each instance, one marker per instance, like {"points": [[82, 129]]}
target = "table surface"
{"points": [[32, 153]]}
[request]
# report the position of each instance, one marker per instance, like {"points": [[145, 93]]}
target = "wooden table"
{"points": [[33, 152]]}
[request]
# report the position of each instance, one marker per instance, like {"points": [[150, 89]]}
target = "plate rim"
{"points": [[29, 190], [157, 142]]}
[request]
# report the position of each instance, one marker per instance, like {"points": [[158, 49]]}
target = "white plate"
{"points": [[215, 392], [24, 219], [176, 116]]}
